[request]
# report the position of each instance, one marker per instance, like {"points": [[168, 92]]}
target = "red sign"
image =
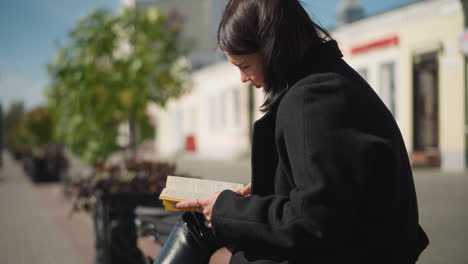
{"points": [[190, 144], [464, 42], [379, 44]]}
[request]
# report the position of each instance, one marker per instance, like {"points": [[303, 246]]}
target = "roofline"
{"points": [[394, 8]]}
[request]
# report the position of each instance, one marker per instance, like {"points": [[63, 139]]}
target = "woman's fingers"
{"points": [[186, 204], [246, 190], [202, 205]]}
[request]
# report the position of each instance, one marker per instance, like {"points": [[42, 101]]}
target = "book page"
{"points": [[189, 188], [181, 183], [210, 186], [181, 195]]}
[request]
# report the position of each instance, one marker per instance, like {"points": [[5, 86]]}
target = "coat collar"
{"points": [[264, 155], [316, 60]]}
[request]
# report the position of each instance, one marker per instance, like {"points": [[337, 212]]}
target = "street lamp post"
{"points": [[465, 66]]}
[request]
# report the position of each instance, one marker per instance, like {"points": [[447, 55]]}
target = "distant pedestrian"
{"points": [[331, 178]]}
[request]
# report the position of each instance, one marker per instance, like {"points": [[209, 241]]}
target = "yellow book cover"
{"points": [[182, 189]]}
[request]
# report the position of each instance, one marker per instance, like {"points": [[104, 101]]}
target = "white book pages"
{"points": [[189, 188], [181, 194]]}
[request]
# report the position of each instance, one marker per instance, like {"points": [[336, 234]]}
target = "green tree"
{"points": [[15, 111], [113, 66], [33, 129]]}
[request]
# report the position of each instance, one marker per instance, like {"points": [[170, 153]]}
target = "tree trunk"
{"points": [[133, 131]]}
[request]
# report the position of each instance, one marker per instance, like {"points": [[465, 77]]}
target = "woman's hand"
{"points": [[203, 205], [245, 191]]}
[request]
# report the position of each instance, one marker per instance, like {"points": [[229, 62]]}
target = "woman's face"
{"points": [[250, 67]]}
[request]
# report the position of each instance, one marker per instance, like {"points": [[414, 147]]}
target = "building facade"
{"points": [[410, 56], [210, 122], [200, 19]]}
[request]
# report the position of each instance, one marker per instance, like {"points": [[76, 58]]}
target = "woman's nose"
{"points": [[244, 77]]}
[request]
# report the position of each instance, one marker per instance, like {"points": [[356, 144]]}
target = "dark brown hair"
{"points": [[280, 30]]}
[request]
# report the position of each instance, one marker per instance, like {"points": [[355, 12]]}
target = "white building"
{"points": [[410, 55], [200, 20], [211, 122]]}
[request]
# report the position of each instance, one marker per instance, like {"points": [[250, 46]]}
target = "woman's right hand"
{"points": [[245, 191]]}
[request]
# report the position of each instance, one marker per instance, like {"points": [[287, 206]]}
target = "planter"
{"points": [[40, 170], [115, 230], [48, 165]]}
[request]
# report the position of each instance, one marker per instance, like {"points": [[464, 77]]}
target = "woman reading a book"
{"points": [[331, 179]]}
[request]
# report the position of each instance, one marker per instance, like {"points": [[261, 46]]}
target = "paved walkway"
{"points": [[35, 226], [443, 213], [28, 232], [442, 198]]}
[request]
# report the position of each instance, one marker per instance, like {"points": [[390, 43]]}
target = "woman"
{"points": [[331, 179]]}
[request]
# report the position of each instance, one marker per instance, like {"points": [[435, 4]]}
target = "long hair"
{"points": [[281, 31]]}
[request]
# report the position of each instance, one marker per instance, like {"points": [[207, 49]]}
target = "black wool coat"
{"points": [[331, 179]]}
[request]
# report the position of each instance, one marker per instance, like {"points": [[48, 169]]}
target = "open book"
{"points": [[181, 189]]}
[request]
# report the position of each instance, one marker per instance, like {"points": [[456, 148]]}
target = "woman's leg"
{"points": [[190, 242]]}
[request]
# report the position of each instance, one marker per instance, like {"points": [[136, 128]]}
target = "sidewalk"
{"points": [[28, 233], [443, 213], [442, 200], [35, 228]]}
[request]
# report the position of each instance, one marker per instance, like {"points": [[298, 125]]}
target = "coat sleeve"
{"points": [[330, 164]]}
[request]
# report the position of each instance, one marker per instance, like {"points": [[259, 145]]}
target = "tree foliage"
{"points": [[33, 129], [113, 66], [12, 117], [15, 111]]}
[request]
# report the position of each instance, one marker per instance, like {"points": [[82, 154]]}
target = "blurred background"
{"points": [[102, 99]]}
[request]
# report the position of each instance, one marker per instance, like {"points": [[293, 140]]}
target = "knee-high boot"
{"points": [[190, 242]]}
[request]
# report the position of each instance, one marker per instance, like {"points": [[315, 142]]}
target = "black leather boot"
{"points": [[190, 242]]}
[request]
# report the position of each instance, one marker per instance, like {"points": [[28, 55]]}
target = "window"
{"points": [[222, 109], [236, 106], [212, 109], [217, 110], [387, 86]]}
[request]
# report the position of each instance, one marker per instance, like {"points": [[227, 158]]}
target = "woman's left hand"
{"points": [[203, 205]]}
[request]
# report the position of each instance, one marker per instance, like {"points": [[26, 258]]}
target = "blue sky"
{"points": [[30, 30]]}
